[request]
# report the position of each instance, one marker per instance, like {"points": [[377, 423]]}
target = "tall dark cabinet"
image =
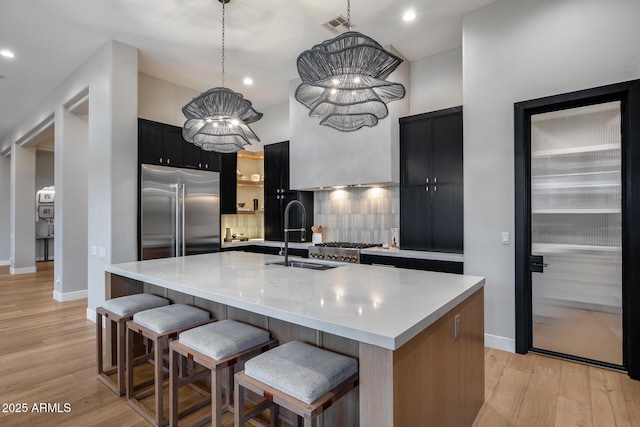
{"points": [[431, 211], [228, 181], [277, 195]]}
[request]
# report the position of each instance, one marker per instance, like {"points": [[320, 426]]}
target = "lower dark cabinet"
{"points": [[270, 250], [413, 263]]}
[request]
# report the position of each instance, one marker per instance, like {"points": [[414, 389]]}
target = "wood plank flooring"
{"points": [[47, 355]]}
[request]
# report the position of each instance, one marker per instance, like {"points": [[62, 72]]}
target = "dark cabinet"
{"points": [[277, 195], [163, 144], [228, 178], [431, 207], [413, 263]]}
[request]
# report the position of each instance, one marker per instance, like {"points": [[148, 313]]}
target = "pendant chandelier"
{"points": [[343, 80], [218, 119]]}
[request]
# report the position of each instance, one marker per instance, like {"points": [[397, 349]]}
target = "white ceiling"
{"points": [[179, 40]]}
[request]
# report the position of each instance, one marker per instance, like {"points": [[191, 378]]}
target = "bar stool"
{"points": [[120, 310], [159, 325], [215, 346], [299, 377]]}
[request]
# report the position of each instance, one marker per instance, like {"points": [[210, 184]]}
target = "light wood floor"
{"points": [[47, 355]]}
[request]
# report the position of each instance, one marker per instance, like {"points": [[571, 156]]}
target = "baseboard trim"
{"points": [[24, 270], [4, 262], [69, 296], [500, 343], [91, 315]]}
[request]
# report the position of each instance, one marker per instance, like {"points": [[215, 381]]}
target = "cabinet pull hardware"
{"points": [[426, 188], [168, 161], [160, 159], [199, 165], [435, 188], [435, 180], [427, 180], [206, 165]]}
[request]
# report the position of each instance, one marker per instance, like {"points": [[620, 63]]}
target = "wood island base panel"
{"points": [[418, 336]]}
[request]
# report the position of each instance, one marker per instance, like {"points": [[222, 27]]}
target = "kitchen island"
{"points": [[418, 335]]}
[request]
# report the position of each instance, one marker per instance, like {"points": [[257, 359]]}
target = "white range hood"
{"points": [[322, 157]]}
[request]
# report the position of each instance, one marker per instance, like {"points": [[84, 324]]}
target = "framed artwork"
{"points": [[45, 212], [46, 197]]}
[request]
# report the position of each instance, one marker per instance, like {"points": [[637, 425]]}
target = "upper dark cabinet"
{"points": [[163, 144], [228, 179], [277, 195], [431, 200]]}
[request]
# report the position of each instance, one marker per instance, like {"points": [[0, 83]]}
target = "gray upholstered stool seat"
{"points": [[131, 304], [120, 310], [224, 338], [298, 376], [159, 325], [218, 347], [171, 317]]}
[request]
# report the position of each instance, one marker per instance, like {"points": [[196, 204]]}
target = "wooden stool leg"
{"points": [[175, 360], [216, 398], [158, 361], [122, 364], [99, 343], [129, 362], [275, 413], [238, 414], [229, 393]]}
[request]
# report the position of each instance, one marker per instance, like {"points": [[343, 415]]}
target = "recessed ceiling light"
{"points": [[7, 53], [248, 81], [409, 15]]}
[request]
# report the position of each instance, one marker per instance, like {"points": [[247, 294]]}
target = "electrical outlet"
{"points": [[102, 252]]}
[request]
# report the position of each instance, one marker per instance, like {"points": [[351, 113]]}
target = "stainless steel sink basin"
{"points": [[304, 264]]}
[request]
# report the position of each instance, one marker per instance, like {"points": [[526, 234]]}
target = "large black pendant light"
{"points": [[343, 80], [218, 119]]}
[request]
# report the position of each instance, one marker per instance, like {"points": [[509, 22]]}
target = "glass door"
{"points": [[576, 232]]}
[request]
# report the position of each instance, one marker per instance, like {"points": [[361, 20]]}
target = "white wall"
{"points": [[5, 208], [162, 101], [44, 168], [436, 82], [23, 207], [272, 127], [516, 50]]}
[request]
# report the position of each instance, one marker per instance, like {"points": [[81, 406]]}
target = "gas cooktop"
{"points": [[339, 251], [348, 245]]}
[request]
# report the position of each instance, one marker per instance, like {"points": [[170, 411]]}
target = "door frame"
{"points": [[629, 95]]}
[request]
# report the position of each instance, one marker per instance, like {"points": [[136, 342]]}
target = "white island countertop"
{"points": [[381, 306]]}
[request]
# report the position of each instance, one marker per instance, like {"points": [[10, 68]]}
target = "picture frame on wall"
{"points": [[45, 211]]}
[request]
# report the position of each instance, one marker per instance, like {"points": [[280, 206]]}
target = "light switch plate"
{"points": [[102, 251], [505, 238], [94, 250]]}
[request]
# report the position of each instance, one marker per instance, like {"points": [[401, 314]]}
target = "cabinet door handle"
{"points": [[427, 180], [168, 161], [426, 188], [435, 180], [199, 165], [206, 165], [435, 188], [160, 159]]}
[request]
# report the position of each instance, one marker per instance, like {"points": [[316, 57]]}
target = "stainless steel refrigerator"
{"points": [[179, 212]]}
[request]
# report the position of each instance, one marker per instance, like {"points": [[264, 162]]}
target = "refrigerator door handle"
{"points": [[177, 217], [183, 238]]}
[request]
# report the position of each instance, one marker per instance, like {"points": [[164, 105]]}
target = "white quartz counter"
{"points": [[385, 307]]}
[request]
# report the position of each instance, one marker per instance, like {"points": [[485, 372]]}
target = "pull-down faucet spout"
{"points": [[303, 229]]}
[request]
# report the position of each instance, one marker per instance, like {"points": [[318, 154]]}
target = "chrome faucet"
{"points": [[287, 229]]}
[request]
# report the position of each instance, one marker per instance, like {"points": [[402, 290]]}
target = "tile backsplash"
{"points": [[251, 225], [357, 214]]}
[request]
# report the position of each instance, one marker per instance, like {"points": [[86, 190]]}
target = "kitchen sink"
{"points": [[307, 265]]}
